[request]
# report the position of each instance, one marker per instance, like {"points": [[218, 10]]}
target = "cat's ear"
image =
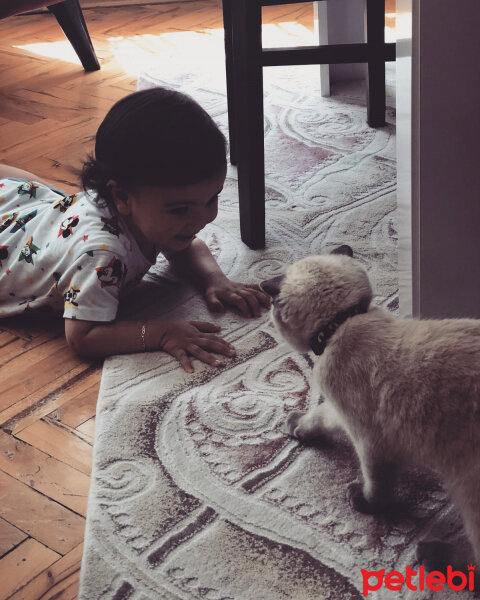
{"points": [[272, 286], [343, 250]]}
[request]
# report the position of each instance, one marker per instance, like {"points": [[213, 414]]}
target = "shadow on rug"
{"points": [[197, 492]]}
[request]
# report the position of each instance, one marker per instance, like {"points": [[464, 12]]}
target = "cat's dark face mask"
{"points": [[272, 286]]}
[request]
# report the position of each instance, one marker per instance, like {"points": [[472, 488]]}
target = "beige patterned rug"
{"points": [[197, 492]]}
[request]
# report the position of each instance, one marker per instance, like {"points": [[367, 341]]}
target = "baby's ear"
{"points": [[344, 249], [120, 197]]}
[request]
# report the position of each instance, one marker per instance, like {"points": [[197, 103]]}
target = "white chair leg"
{"points": [[321, 30]]}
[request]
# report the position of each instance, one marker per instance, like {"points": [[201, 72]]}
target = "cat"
{"points": [[404, 390]]}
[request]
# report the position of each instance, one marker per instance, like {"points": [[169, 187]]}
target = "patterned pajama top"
{"points": [[70, 253]]}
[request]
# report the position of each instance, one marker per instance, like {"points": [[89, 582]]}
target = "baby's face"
{"points": [[169, 217]]}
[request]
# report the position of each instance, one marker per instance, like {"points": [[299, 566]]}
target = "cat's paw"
{"points": [[358, 501], [308, 428], [356, 498], [294, 427], [435, 555]]}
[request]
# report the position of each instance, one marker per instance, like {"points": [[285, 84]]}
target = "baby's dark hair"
{"points": [[154, 137]]}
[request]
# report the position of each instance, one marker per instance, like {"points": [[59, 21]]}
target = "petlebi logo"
{"points": [[418, 580]]}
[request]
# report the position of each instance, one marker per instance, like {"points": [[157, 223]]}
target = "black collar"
{"points": [[318, 341]]}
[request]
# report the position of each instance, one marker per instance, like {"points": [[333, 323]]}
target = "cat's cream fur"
{"points": [[404, 390]]}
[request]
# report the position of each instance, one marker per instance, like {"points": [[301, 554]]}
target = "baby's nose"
{"points": [[198, 221]]}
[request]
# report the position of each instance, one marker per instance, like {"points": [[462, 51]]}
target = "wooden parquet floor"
{"points": [[49, 111]]}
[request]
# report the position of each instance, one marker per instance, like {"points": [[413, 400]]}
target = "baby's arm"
{"points": [[7, 171], [197, 264], [180, 339]]}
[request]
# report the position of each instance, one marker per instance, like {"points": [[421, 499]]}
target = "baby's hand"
{"points": [[247, 298], [195, 338]]}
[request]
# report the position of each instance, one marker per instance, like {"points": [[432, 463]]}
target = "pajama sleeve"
{"points": [[91, 286]]}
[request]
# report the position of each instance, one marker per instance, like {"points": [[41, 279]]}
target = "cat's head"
{"points": [[313, 291]]}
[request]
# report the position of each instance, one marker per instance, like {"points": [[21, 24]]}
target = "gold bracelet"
{"points": [[143, 331]]}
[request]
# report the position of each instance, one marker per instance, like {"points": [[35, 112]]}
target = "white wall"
{"points": [[404, 153]]}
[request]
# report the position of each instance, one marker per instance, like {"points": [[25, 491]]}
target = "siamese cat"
{"points": [[404, 390]]}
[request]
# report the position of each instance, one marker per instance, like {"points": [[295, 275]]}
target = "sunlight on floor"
{"points": [[140, 53], [61, 50], [145, 52]]}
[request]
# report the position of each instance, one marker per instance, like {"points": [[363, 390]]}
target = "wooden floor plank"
{"points": [[20, 346], [55, 371], [43, 473], [10, 537], [16, 134], [6, 337], [75, 128], [81, 404], [45, 349], [59, 443], [29, 558], [88, 428], [72, 405], [44, 519], [60, 581], [18, 112]]}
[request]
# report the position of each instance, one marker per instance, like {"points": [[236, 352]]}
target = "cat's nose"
{"points": [[272, 286]]}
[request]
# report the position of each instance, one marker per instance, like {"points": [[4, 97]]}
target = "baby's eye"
{"points": [[180, 211]]}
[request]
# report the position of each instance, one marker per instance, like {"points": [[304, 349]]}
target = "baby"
{"points": [[151, 186]]}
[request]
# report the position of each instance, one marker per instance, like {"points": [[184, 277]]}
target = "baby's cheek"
{"points": [[212, 215]]}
